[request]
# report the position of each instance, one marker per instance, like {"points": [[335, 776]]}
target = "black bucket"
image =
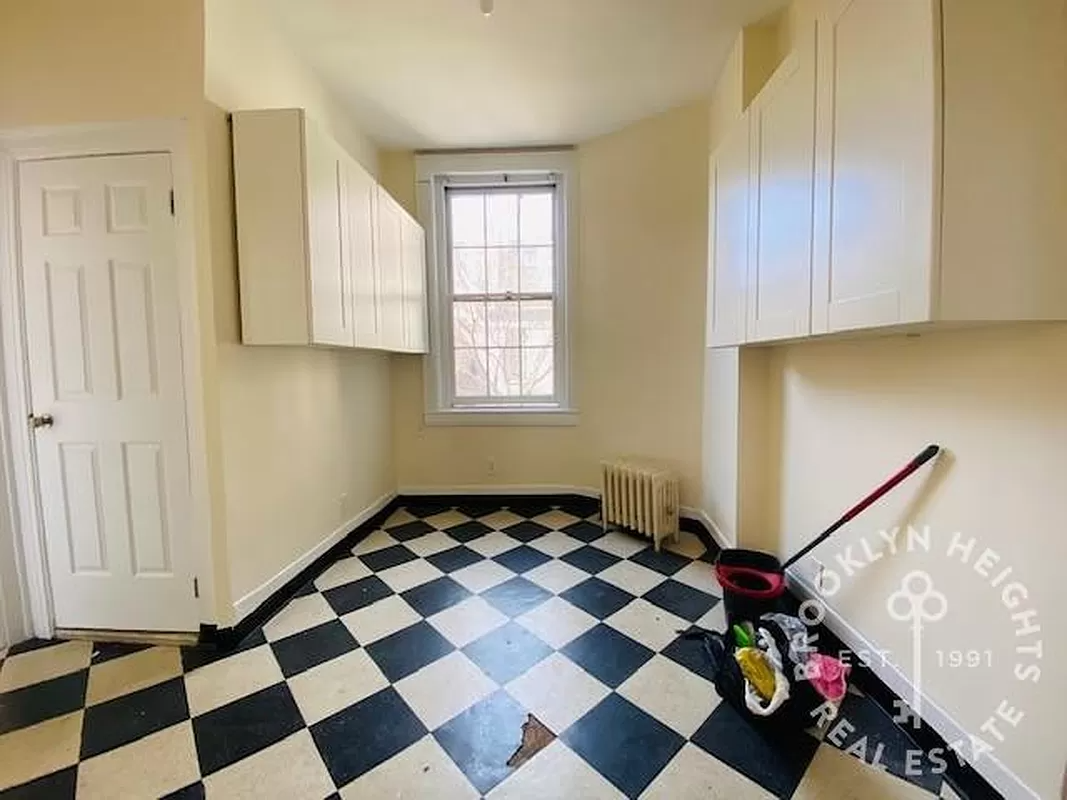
{"points": [[752, 583]]}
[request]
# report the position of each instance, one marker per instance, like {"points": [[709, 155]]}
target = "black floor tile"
{"points": [[684, 601], [304, 650], [664, 562], [108, 651], [581, 506], [358, 594], [529, 508], [597, 597], [426, 508], [516, 596], [478, 508], [133, 716], [606, 654], [29, 705], [435, 596], [776, 761], [411, 530], [309, 587], [623, 743], [455, 559], [584, 530], [590, 559], [32, 644], [507, 652], [690, 654], [408, 651], [362, 736], [522, 559], [194, 791], [469, 531], [482, 739], [527, 530], [387, 557], [246, 726], [862, 718], [56, 786]]}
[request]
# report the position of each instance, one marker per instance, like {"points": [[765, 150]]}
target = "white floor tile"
{"points": [[464, 622], [714, 620], [290, 768], [632, 577], [345, 571], [558, 692], [381, 619], [399, 517], [447, 519], [648, 624], [44, 664], [231, 678], [336, 684], [431, 543], [378, 540], [694, 775], [481, 576], [556, 772], [499, 520], [556, 544], [300, 614], [409, 575], [493, 544], [621, 544], [834, 775], [154, 766], [556, 576], [557, 622], [672, 694], [688, 545], [700, 575], [556, 519], [445, 688], [424, 770]]}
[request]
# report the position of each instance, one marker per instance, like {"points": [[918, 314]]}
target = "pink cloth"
{"points": [[828, 675]]}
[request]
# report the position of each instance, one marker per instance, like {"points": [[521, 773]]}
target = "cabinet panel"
{"points": [[877, 105], [358, 197], [389, 262], [414, 261], [728, 237], [783, 170], [331, 296]]}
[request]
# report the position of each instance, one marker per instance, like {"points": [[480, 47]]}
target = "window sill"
{"points": [[505, 417]]}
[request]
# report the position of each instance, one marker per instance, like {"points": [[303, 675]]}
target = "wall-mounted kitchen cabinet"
{"points": [[321, 246], [907, 165]]}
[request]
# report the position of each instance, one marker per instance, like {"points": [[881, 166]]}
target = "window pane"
{"points": [[504, 371], [468, 270], [538, 371], [468, 324], [537, 323], [537, 269], [502, 264], [504, 324], [471, 373], [502, 218], [467, 215], [536, 218]]}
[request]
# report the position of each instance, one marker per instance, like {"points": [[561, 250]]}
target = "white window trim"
{"points": [[430, 170]]}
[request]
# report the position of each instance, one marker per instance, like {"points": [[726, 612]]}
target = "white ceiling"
{"points": [[436, 73]]}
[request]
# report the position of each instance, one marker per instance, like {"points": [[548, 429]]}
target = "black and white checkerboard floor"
{"points": [[407, 669]]}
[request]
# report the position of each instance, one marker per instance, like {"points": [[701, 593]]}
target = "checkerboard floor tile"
{"points": [[408, 667]]}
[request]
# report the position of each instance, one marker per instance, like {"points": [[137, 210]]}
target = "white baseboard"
{"points": [[988, 766], [701, 516], [251, 601]]}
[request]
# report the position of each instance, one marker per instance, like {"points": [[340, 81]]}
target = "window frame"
{"points": [[494, 172]]}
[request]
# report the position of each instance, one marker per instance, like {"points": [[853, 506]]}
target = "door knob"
{"points": [[41, 420]]}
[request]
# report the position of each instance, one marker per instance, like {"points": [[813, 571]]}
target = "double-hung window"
{"points": [[500, 301]]}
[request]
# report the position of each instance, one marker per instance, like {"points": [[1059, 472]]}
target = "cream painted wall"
{"points": [[839, 416], [637, 308], [305, 432]]}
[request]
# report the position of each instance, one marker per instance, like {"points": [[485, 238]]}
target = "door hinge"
{"points": [[196, 588], [172, 202]]}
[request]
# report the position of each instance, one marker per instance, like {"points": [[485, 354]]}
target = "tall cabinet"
{"points": [[325, 255]]}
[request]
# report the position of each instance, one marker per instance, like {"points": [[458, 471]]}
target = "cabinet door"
{"points": [[389, 261], [728, 237], [878, 95], [782, 221], [414, 243], [331, 297], [358, 195]]}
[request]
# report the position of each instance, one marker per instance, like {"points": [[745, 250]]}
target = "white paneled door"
{"points": [[102, 321]]}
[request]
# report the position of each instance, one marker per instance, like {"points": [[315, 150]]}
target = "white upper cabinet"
{"points": [[782, 121], [728, 234], [325, 255], [908, 166]]}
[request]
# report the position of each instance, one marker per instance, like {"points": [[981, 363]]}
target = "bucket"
{"points": [[751, 583]]}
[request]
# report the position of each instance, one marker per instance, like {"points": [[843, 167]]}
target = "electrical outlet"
{"points": [[490, 466]]}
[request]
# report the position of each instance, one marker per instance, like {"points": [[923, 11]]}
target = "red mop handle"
{"points": [[930, 451]]}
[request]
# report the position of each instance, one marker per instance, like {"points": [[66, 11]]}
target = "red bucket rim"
{"points": [[775, 581]]}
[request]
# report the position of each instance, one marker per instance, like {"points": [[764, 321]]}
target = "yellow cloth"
{"points": [[757, 670]]}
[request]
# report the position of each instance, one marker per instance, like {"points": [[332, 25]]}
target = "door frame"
{"points": [[172, 137]]}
